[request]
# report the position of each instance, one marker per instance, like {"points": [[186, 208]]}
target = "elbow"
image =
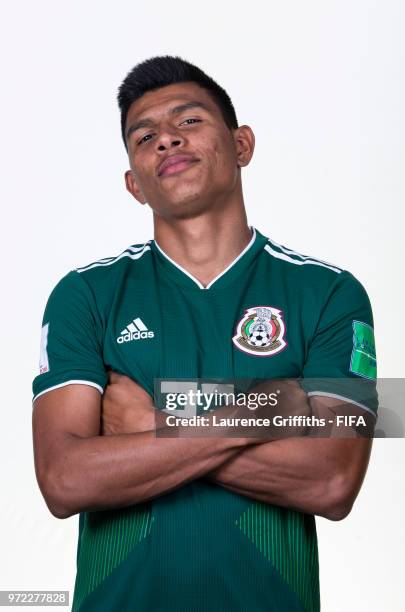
{"points": [[55, 486], [338, 499], [59, 511], [337, 512]]}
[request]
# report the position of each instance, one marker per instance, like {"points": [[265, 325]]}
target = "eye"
{"points": [[144, 139], [192, 120]]}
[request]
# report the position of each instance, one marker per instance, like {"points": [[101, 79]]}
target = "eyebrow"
{"points": [[146, 122]]}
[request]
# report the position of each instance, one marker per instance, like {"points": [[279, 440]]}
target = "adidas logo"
{"points": [[136, 330]]}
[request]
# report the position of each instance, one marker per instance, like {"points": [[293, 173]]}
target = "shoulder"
{"points": [[295, 261], [132, 253], [105, 274], [309, 275], [98, 280]]}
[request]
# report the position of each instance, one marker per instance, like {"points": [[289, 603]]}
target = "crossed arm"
{"points": [[80, 470]]}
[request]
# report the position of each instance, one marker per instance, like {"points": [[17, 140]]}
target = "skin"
{"points": [[312, 475], [208, 194], [94, 453], [83, 465]]}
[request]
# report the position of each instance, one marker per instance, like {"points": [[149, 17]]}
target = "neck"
{"points": [[204, 245]]}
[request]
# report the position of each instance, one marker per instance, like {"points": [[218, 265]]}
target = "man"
{"points": [[204, 522]]}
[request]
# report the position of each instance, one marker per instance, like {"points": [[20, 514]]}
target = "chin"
{"points": [[184, 207]]}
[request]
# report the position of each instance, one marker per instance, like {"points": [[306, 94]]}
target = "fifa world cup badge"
{"points": [[261, 331]]}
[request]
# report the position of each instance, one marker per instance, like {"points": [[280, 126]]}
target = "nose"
{"points": [[169, 138]]}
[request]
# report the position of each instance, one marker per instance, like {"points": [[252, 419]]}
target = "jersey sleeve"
{"points": [[71, 340], [341, 360]]}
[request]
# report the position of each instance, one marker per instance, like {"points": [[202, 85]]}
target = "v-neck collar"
{"points": [[185, 278]]}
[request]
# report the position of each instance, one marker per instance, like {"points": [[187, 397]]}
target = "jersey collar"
{"points": [[182, 276]]}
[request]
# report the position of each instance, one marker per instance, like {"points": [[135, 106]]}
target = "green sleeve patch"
{"points": [[363, 360]]}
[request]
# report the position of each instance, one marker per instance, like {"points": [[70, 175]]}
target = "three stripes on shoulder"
{"points": [[273, 248], [296, 258], [133, 252]]}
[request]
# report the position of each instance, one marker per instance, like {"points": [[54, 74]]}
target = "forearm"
{"points": [[104, 472], [299, 473]]}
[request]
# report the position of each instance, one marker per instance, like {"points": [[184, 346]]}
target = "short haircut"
{"points": [[165, 70]]}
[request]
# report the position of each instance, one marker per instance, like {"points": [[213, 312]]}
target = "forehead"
{"points": [[161, 100]]}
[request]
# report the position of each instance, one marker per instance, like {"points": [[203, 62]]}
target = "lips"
{"points": [[175, 163]]}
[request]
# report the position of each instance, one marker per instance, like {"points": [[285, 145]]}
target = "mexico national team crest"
{"points": [[261, 331]]}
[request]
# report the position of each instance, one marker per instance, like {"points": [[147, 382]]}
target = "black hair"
{"points": [[160, 71]]}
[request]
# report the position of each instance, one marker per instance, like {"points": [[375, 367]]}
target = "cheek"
{"points": [[142, 174], [138, 166], [220, 145], [216, 145], [225, 156]]}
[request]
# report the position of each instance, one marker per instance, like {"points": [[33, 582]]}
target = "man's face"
{"points": [[183, 157]]}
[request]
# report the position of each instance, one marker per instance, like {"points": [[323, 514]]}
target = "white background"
{"points": [[322, 85]]}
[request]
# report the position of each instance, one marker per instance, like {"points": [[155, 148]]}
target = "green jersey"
{"points": [[272, 313]]}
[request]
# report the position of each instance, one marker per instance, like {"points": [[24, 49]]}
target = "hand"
{"points": [[126, 407], [292, 407]]}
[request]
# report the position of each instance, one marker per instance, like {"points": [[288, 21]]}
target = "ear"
{"points": [[133, 188], [245, 144]]}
